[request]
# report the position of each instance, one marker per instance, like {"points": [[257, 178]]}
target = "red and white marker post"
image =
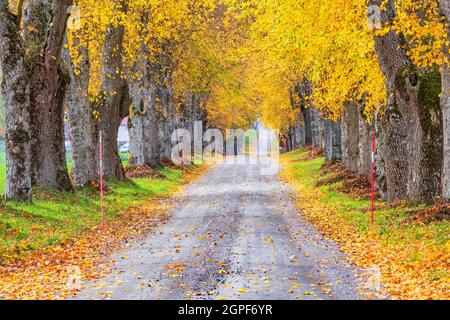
{"points": [[102, 191], [373, 178]]}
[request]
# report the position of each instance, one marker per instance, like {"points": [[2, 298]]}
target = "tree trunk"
{"points": [[150, 123], [144, 142], [412, 128], [308, 128], [136, 129], [445, 104], [116, 101], [380, 175], [317, 128], [364, 146], [15, 88], [446, 134], [333, 150], [303, 91], [300, 131], [350, 136], [165, 108], [426, 139], [82, 124], [48, 88]]}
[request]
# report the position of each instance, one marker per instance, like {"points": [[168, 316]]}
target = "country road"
{"points": [[234, 234]]}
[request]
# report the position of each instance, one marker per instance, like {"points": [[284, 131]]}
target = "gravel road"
{"points": [[234, 234]]}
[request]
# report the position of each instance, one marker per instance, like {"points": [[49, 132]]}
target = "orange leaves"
{"points": [[179, 267], [57, 271], [410, 265]]}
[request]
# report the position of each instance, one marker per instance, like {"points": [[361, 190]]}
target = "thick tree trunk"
{"points": [[136, 130], [15, 88], [426, 140], [116, 101], [306, 112], [350, 136], [333, 150], [48, 87], [164, 104], [164, 123], [288, 141], [445, 104], [413, 121], [446, 135], [303, 91], [300, 131], [150, 124], [144, 128], [82, 124], [317, 128]]}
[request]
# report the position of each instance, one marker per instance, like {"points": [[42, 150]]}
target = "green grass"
{"points": [[392, 224], [123, 156], [54, 216]]}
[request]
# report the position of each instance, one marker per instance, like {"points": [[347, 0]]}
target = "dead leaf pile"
{"points": [[143, 172]]}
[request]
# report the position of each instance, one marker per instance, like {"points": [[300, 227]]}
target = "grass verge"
{"points": [[413, 257], [44, 242]]}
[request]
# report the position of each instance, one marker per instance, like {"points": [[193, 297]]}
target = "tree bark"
{"points": [[116, 101], [350, 136], [303, 91], [445, 105], [15, 88], [364, 146], [317, 128], [144, 126], [44, 29], [136, 130], [82, 124], [306, 112], [333, 150], [446, 134], [413, 121], [300, 131], [380, 175], [164, 105]]}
